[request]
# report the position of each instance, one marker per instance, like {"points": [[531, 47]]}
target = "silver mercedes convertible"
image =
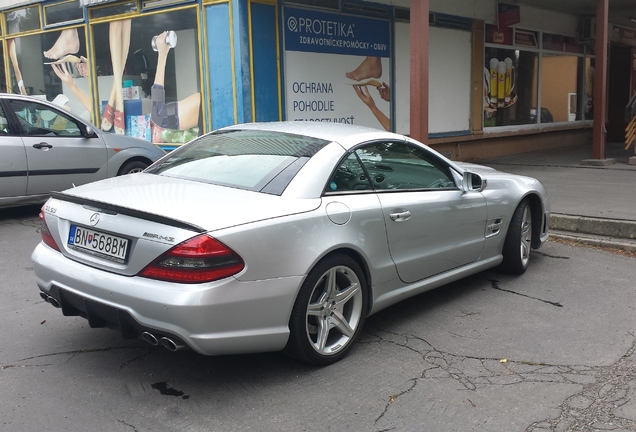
{"points": [[279, 236]]}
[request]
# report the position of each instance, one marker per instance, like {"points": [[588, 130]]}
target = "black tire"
{"points": [[518, 243], [132, 167], [333, 299]]}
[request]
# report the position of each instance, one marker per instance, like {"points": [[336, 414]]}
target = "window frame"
{"points": [[18, 128], [541, 52], [440, 165]]}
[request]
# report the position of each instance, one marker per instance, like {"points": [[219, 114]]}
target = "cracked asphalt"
{"points": [[553, 350]]}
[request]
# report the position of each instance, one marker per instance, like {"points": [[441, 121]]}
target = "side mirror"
{"points": [[89, 132], [473, 182]]}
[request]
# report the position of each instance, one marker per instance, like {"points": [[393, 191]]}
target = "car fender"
{"points": [[122, 156], [301, 240]]}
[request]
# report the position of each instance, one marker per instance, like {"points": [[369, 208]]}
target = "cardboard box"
{"points": [[138, 126], [135, 107], [136, 92], [127, 93]]}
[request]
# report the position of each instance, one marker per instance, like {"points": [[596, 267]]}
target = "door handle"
{"points": [[42, 145], [400, 216]]}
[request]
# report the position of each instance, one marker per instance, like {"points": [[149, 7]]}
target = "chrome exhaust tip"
{"points": [[170, 344], [53, 302], [150, 338], [47, 298]]}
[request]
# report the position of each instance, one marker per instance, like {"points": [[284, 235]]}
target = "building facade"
{"points": [[502, 77]]}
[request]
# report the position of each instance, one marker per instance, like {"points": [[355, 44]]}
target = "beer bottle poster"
{"points": [[337, 68]]}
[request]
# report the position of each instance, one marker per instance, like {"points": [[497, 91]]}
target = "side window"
{"points": [[349, 176], [398, 166], [4, 124], [40, 120]]}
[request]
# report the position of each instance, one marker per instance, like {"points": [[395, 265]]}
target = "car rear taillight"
{"points": [[197, 260], [47, 238]]}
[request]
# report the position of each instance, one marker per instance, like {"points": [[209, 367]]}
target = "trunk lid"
{"points": [[207, 206], [150, 214]]}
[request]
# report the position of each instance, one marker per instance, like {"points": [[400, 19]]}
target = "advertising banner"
{"points": [[508, 14], [337, 68]]}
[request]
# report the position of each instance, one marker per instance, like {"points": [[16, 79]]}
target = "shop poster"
{"points": [[337, 68]]}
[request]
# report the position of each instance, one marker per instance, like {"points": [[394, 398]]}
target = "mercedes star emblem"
{"points": [[94, 219]]}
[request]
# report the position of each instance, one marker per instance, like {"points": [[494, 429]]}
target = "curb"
{"points": [[596, 241], [610, 233], [615, 228]]}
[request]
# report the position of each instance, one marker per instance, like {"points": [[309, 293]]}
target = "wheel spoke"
{"points": [[525, 250], [346, 294], [526, 224], [526, 234], [330, 283], [341, 324], [323, 333], [314, 309]]}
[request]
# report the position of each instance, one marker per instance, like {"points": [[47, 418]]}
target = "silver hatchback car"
{"points": [[273, 236], [45, 148]]}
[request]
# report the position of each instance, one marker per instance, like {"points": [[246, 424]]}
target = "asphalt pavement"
{"points": [[554, 350], [551, 351], [591, 202]]}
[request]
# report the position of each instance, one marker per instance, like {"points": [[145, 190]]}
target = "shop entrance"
{"points": [[619, 91]]}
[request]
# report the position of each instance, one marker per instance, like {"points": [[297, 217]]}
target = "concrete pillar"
{"points": [[600, 80], [419, 70]]}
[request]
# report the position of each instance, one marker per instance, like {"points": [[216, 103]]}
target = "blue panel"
{"points": [[324, 32], [220, 65], [265, 62], [242, 61]]}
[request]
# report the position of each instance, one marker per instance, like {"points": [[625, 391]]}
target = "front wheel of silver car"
{"points": [[518, 243], [132, 167], [329, 311]]}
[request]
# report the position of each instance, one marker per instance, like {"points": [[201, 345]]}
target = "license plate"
{"points": [[98, 243]]}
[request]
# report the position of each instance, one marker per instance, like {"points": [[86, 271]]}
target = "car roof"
{"points": [[344, 134]]}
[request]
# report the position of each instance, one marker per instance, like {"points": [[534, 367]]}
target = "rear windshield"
{"points": [[263, 161]]}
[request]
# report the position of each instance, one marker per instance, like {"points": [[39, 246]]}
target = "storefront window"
{"points": [[52, 66], [567, 80], [510, 87], [148, 77], [588, 105], [3, 85], [517, 91], [23, 20], [564, 88], [64, 12], [113, 10]]}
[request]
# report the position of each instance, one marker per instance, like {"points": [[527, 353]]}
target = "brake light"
{"points": [[197, 260], [47, 238]]}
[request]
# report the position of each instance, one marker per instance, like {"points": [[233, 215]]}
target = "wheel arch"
{"points": [[536, 207], [133, 159], [359, 259]]}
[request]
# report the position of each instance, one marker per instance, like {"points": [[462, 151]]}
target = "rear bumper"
{"points": [[223, 317]]}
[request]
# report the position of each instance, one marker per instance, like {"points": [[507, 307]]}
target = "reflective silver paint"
{"points": [[407, 242]]}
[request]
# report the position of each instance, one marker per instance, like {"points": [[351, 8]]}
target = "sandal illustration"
{"points": [[107, 117], [66, 59], [371, 82], [120, 124]]}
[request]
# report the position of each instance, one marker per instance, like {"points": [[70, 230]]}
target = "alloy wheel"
{"points": [[334, 311]]}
